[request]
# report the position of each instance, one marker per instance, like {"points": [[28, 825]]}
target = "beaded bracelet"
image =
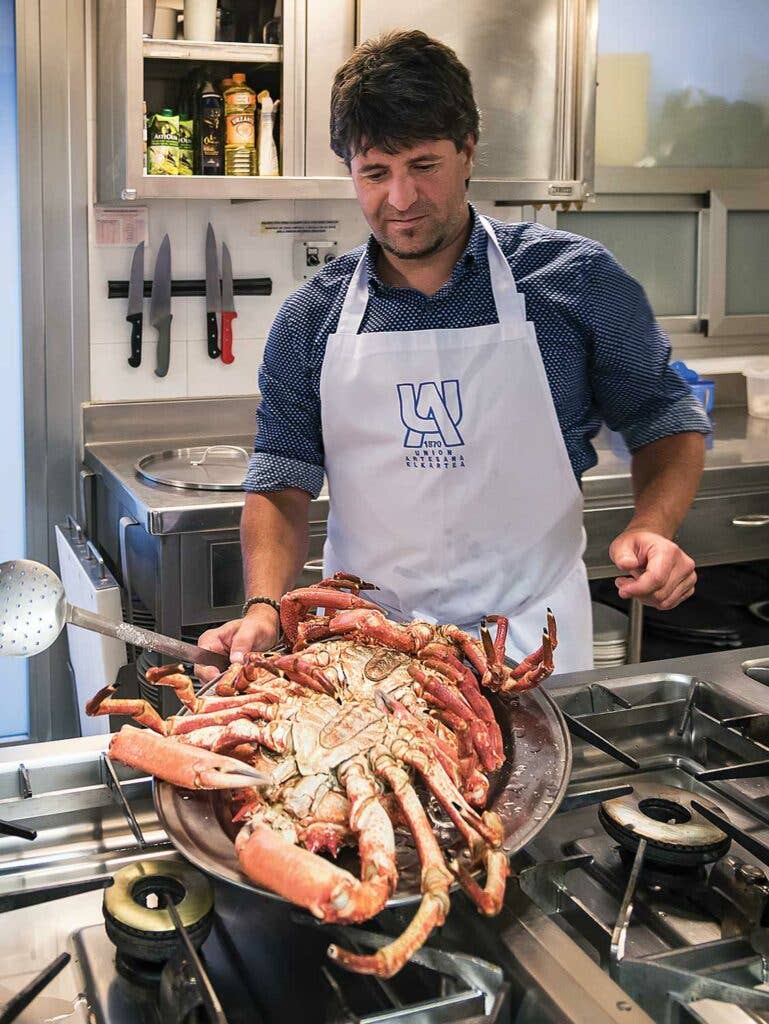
{"points": [[259, 600]]}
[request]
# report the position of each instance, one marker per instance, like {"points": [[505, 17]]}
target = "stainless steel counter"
{"points": [[735, 482]]}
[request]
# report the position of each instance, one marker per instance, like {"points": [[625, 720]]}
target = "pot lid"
{"points": [[217, 467]]}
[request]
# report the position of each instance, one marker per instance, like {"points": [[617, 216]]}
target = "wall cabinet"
{"points": [[532, 63]]}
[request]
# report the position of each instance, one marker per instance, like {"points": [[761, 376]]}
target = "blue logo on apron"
{"points": [[431, 411]]}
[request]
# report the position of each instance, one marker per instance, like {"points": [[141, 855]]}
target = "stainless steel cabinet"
{"points": [[532, 61], [533, 69]]}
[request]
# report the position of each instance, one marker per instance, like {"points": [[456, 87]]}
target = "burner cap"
{"points": [[134, 910], [664, 817]]}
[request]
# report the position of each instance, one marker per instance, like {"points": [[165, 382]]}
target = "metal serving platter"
{"points": [[525, 793]]}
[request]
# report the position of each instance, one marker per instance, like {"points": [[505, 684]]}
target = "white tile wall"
{"points": [[255, 253]]}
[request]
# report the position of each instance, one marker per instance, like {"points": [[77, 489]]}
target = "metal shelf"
{"points": [[230, 53], [157, 186]]}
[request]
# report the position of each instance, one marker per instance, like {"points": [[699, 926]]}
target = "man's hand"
{"points": [[257, 631], [658, 572]]}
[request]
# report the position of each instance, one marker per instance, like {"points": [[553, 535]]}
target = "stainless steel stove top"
{"points": [[597, 927]]}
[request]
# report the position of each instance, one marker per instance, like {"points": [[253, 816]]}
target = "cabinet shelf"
{"points": [[160, 186], [229, 53]]}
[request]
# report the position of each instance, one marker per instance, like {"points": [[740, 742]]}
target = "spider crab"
{"points": [[343, 725]]}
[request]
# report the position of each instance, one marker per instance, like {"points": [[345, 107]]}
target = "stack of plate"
{"points": [[610, 631]]}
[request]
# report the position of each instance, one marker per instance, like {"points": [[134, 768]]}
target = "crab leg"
{"points": [[327, 891], [295, 604], [145, 714], [468, 687], [442, 751], [455, 702], [181, 764], [436, 879], [371, 626], [530, 673], [471, 824], [103, 703], [488, 898], [376, 840]]}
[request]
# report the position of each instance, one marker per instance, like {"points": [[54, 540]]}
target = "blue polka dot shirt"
{"points": [[605, 356]]}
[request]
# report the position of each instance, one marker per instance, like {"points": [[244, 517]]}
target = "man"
{"points": [[453, 432]]}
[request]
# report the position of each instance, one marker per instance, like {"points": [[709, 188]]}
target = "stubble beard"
{"points": [[419, 254]]}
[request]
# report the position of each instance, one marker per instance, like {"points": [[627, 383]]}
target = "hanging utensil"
{"points": [[160, 306], [213, 295], [228, 306], [136, 305], [34, 610]]}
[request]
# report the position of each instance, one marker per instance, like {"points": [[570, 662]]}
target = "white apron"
{"points": [[449, 482]]}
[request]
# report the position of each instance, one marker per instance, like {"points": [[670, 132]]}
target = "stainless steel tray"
{"points": [[525, 793]]}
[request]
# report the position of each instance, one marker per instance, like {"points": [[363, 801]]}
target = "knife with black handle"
{"points": [[160, 306], [136, 304], [213, 295]]}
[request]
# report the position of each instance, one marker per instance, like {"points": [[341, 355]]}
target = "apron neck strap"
{"points": [[355, 300], [502, 281], [502, 286]]}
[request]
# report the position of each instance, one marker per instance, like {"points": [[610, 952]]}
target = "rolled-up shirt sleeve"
{"points": [[634, 387], [288, 449]]}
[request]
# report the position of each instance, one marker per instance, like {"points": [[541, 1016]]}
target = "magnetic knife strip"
{"points": [[186, 288]]}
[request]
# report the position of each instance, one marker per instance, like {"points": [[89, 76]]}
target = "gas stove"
{"points": [[645, 898]]}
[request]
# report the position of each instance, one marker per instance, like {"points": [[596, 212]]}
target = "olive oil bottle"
{"points": [[209, 132], [240, 139]]}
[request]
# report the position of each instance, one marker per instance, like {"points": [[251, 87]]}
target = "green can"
{"points": [[163, 150]]}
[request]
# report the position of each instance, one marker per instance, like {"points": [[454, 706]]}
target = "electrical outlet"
{"points": [[311, 255]]}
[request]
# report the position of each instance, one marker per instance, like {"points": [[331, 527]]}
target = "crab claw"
{"points": [[181, 764]]}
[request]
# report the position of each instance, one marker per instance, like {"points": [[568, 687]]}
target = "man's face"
{"points": [[414, 200]]}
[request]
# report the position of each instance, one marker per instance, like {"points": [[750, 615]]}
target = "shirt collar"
{"points": [[475, 250]]}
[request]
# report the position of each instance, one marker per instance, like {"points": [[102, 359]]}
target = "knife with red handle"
{"points": [[213, 296], [228, 306]]}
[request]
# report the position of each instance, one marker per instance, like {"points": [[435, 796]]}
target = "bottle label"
{"points": [[240, 129]]}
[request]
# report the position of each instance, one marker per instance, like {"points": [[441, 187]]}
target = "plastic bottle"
{"points": [[239, 111], [209, 132], [268, 153]]}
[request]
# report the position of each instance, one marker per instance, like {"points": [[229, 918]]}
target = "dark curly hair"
{"points": [[400, 89]]}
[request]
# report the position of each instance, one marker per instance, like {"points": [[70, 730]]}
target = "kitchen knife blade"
{"points": [[228, 306], [160, 306], [213, 295], [136, 305]]}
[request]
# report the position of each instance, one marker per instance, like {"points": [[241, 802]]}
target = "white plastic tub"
{"points": [[757, 378]]}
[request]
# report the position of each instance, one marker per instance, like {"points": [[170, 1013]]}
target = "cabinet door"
{"points": [[738, 296], [521, 57]]}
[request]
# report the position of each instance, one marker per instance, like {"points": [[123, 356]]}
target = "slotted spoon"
{"points": [[34, 610]]}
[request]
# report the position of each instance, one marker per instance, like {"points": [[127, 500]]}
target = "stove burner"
{"points": [[138, 924], [663, 815]]}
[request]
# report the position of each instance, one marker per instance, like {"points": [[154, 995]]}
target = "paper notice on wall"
{"points": [[296, 227], [118, 226]]}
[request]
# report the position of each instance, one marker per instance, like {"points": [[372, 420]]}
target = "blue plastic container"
{"points": [[704, 390]]}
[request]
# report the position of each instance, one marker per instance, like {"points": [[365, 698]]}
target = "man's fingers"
{"points": [[680, 593], [648, 583], [251, 635], [217, 640], [681, 577]]}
